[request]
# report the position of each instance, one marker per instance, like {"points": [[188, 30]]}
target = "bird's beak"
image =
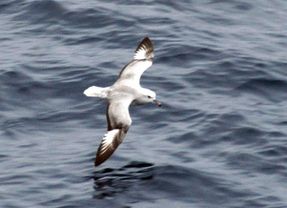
{"points": [[157, 103]]}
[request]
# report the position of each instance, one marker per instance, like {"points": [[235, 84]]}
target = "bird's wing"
{"points": [[142, 60], [109, 144], [119, 121]]}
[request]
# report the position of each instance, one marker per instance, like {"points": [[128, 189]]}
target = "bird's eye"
{"points": [[148, 96]]}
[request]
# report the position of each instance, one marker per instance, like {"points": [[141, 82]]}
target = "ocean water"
{"points": [[220, 70]]}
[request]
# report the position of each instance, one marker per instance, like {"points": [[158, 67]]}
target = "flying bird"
{"points": [[125, 91]]}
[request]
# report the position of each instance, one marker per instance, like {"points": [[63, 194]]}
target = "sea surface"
{"points": [[220, 70]]}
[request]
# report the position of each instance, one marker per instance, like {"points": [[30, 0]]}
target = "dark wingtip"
{"points": [[147, 46], [101, 158], [98, 162], [147, 42]]}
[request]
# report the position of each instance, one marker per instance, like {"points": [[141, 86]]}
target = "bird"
{"points": [[125, 91]]}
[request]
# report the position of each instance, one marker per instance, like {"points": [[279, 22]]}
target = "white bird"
{"points": [[124, 92]]}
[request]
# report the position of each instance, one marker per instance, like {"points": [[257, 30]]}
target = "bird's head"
{"points": [[148, 96]]}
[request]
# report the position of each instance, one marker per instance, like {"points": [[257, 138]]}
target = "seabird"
{"points": [[124, 92]]}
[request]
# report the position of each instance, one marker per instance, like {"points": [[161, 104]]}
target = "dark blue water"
{"points": [[220, 71]]}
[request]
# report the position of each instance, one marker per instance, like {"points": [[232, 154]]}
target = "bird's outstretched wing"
{"points": [[119, 121], [142, 60]]}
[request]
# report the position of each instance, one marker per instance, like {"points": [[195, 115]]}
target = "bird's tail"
{"points": [[94, 91]]}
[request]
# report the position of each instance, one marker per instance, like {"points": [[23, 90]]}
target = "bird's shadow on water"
{"points": [[109, 182]]}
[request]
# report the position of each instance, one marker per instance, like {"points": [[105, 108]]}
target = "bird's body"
{"points": [[124, 92]]}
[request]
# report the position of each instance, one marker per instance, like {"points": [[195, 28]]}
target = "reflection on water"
{"points": [[109, 182]]}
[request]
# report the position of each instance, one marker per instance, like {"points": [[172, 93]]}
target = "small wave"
{"points": [[270, 89], [177, 55], [41, 11], [253, 163], [47, 12]]}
